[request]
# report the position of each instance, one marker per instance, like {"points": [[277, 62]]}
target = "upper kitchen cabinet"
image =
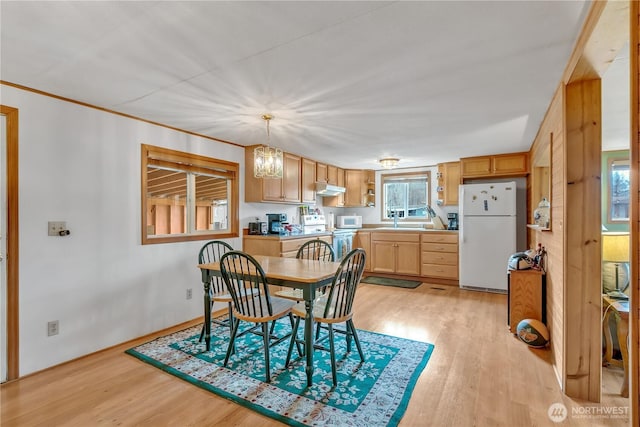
{"points": [[448, 182], [335, 176], [360, 188], [321, 172], [308, 182], [283, 190], [513, 164], [332, 175]]}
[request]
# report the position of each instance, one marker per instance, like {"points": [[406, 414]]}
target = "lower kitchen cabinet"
{"points": [[273, 245], [363, 240], [439, 255], [395, 253]]}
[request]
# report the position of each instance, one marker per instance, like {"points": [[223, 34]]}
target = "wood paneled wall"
{"points": [[551, 132]]}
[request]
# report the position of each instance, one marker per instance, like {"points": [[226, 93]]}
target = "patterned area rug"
{"points": [[373, 393]]}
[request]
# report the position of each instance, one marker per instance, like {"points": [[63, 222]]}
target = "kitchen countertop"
{"points": [[283, 237], [329, 233]]}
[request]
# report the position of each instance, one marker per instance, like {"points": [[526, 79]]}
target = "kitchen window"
{"points": [[405, 195], [187, 197]]}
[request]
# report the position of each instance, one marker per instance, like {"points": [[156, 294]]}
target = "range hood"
{"points": [[327, 190]]}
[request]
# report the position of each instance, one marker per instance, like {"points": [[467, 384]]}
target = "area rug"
{"points": [[373, 393], [385, 281]]}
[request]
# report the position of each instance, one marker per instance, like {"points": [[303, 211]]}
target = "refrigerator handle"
{"points": [[461, 233]]}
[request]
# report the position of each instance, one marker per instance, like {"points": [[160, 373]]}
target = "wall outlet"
{"points": [[55, 227], [189, 293], [53, 328]]}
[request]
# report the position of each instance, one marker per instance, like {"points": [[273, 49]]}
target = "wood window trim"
{"points": [[152, 155], [404, 175]]}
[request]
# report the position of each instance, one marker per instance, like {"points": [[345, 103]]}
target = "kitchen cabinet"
{"points": [[321, 172], [335, 177], [308, 181], [448, 182], [371, 187], [395, 252], [284, 190], [513, 164], [360, 187], [282, 246], [332, 174], [439, 256], [527, 297], [363, 240]]}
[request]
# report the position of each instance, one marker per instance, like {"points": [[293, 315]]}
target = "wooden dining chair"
{"points": [[240, 272], [313, 249], [335, 306], [212, 251]]}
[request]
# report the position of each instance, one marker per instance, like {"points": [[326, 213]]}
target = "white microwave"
{"points": [[349, 221]]}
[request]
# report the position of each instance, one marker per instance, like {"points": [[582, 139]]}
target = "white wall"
{"points": [[82, 166]]}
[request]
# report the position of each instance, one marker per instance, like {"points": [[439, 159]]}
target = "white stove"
{"points": [[313, 224]]}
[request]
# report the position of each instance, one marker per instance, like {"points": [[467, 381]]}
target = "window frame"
{"points": [[190, 163], [408, 176], [610, 165]]}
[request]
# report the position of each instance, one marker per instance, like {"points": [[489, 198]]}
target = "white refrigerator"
{"points": [[487, 234]]}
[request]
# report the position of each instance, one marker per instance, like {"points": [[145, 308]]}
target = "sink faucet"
{"points": [[395, 220]]}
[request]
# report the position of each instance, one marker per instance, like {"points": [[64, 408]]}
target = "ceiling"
{"points": [[348, 82]]}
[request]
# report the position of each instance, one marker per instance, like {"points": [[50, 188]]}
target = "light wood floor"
{"points": [[479, 375]]}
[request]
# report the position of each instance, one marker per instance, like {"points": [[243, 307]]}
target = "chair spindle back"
{"points": [[241, 271], [342, 290]]}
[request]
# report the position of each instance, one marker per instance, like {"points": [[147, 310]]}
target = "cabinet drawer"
{"points": [[440, 247], [292, 245], [440, 238], [396, 236], [444, 271], [446, 258]]}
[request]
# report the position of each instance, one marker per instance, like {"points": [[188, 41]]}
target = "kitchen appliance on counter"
{"points": [[276, 222], [349, 221], [453, 221], [487, 234], [313, 224], [258, 227]]}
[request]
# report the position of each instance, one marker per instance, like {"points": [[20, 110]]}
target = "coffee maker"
{"points": [[453, 221], [275, 222]]}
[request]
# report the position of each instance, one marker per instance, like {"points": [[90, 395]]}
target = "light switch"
{"points": [[55, 227]]}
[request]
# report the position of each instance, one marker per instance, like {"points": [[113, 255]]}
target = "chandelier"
{"points": [[267, 160], [389, 162]]}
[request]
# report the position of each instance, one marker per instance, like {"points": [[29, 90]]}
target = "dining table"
{"points": [[307, 275]]}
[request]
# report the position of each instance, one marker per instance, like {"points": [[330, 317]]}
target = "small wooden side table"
{"points": [[527, 297], [621, 310]]}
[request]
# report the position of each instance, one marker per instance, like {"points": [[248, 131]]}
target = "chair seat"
{"points": [[226, 297], [319, 306], [280, 307], [293, 294]]}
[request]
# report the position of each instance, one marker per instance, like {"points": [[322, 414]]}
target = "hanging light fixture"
{"points": [[389, 162], [267, 160]]}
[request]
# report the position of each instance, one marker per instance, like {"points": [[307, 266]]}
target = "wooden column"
{"points": [[634, 311], [582, 240]]}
